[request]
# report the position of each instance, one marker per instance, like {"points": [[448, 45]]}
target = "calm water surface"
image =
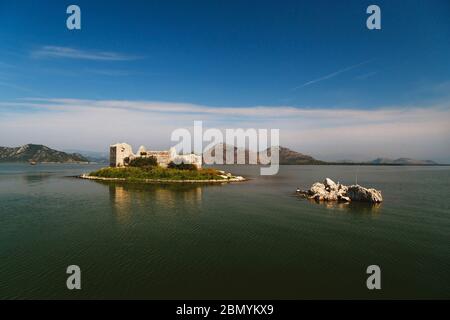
{"points": [[245, 240]]}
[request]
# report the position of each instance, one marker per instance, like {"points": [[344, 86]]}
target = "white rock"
{"points": [[331, 196], [358, 193], [330, 191], [330, 184], [317, 187]]}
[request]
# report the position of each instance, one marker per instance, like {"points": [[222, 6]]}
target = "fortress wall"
{"points": [[120, 151], [163, 157]]}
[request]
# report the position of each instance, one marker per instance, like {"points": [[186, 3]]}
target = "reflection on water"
{"points": [[36, 177], [126, 198], [121, 200], [197, 241], [354, 207]]}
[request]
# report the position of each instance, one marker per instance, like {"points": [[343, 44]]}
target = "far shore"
{"points": [[281, 164]]}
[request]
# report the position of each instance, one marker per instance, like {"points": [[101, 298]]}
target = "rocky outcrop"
{"points": [[331, 191], [358, 193]]}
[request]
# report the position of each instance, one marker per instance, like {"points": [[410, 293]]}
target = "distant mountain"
{"points": [[38, 153], [226, 148], [92, 156], [286, 156], [402, 161]]}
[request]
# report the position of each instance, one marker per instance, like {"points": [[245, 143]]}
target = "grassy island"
{"points": [[148, 170], [158, 173]]}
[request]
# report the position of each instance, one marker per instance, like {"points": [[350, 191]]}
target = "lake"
{"points": [[252, 240]]}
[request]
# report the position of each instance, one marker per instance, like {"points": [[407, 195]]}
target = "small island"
{"points": [[157, 167], [332, 191], [162, 175]]}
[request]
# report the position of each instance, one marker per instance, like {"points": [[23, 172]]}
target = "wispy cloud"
{"points": [[254, 113], [113, 73], [415, 131], [331, 75], [11, 85], [72, 53]]}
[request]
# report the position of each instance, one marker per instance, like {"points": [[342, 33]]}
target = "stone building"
{"points": [[118, 153], [121, 153]]}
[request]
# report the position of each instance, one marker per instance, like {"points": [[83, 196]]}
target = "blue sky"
{"points": [[314, 55]]}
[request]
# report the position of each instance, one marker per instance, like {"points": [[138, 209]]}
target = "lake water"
{"points": [[245, 240]]}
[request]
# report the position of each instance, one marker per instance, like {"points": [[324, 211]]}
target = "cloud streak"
{"points": [[11, 85], [72, 53], [254, 113]]}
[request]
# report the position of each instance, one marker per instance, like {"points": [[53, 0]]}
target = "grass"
{"points": [[157, 173]]}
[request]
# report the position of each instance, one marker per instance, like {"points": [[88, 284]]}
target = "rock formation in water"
{"points": [[331, 191]]}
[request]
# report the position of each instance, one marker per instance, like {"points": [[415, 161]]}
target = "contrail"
{"points": [[331, 75]]}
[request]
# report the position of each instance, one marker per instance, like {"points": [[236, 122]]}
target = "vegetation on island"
{"points": [[142, 162], [182, 166], [146, 171]]}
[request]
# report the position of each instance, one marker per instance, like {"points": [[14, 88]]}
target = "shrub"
{"points": [[143, 162], [182, 166]]}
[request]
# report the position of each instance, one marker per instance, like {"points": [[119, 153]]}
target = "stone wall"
{"points": [[118, 153], [162, 157], [121, 151], [188, 158]]}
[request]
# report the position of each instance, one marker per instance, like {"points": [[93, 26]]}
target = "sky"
{"points": [[137, 70]]}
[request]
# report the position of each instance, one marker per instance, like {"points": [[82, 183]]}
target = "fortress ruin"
{"points": [[120, 154]]}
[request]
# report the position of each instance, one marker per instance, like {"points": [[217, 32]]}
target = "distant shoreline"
{"points": [[348, 164], [380, 164], [48, 162], [38, 154], [281, 164]]}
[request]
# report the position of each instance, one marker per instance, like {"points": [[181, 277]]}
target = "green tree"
{"points": [[182, 166], [143, 162]]}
